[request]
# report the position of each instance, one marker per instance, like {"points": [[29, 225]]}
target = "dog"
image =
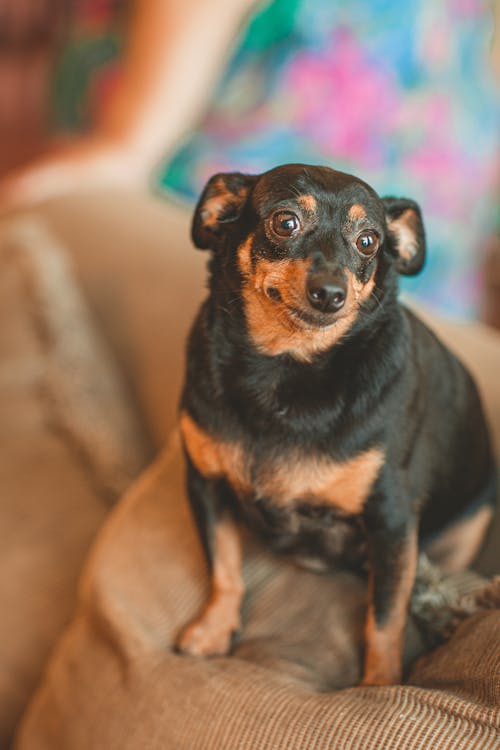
{"points": [[319, 412]]}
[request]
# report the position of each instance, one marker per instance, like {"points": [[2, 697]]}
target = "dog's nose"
{"points": [[325, 292]]}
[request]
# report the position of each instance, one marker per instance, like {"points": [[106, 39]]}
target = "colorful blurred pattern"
{"points": [[399, 93], [89, 65]]}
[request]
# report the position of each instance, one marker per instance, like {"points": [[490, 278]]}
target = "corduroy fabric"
{"points": [[53, 492], [114, 681], [142, 282]]}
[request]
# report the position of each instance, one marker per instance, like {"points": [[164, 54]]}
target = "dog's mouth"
{"points": [[304, 317], [311, 318]]}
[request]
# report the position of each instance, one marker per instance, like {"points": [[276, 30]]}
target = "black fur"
{"points": [[388, 382]]}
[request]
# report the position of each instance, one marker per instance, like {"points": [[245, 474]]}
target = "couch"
{"points": [[97, 294]]}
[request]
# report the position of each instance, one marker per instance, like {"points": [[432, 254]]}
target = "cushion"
{"points": [[71, 443], [478, 346], [142, 281], [114, 680]]}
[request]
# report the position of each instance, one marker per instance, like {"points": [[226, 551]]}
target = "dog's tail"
{"points": [[440, 602]]}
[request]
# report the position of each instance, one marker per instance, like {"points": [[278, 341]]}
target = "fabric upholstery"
{"points": [[115, 681], [79, 356], [142, 282], [70, 443]]}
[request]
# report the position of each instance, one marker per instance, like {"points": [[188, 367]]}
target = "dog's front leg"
{"points": [[212, 632], [393, 551]]}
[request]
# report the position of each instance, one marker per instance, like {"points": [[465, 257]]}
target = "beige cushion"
{"points": [[479, 348], [114, 681], [70, 443], [73, 369], [142, 283]]}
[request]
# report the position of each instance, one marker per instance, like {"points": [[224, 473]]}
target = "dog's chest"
{"points": [[288, 480]]}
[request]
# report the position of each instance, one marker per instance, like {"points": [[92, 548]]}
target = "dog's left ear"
{"points": [[406, 234], [220, 204]]}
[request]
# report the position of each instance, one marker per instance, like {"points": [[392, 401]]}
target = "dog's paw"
{"points": [[377, 682], [204, 637], [381, 677]]}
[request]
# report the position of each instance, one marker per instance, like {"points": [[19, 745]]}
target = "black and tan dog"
{"points": [[316, 409]]}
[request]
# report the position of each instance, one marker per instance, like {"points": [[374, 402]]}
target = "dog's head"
{"points": [[308, 248]]}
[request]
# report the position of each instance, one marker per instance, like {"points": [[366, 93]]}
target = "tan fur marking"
{"points": [[456, 547], [404, 227], [210, 634], [384, 645], [308, 203], [214, 458], [272, 326], [214, 206], [357, 212], [343, 485], [360, 291], [244, 252], [212, 209]]}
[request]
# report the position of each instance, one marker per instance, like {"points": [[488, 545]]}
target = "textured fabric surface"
{"points": [[64, 357], [53, 492], [113, 677], [115, 682], [86, 392], [142, 282]]}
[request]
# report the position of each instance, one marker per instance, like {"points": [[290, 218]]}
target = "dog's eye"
{"points": [[367, 243], [285, 223]]}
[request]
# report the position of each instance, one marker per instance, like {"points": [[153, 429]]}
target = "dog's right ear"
{"points": [[406, 230], [221, 203]]}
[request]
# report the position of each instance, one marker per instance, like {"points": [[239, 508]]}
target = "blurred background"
{"points": [[408, 103], [57, 60], [31, 38]]}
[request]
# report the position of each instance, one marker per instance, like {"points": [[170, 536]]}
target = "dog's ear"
{"points": [[220, 204], [406, 234]]}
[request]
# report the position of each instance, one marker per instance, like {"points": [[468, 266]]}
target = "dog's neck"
{"points": [[271, 384]]}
